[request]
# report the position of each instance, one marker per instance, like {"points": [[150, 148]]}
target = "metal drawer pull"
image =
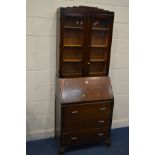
{"points": [[100, 134], [102, 109], [101, 121], [86, 82], [83, 95], [74, 138], [75, 112]]}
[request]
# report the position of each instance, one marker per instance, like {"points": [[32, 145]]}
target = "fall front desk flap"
{"points": [[85, 89]]}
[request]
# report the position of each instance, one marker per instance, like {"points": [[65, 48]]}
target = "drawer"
{"points": [[86, 116], [85, 136]]}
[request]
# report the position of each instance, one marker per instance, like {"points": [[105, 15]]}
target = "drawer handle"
{"points": [[74, 138], [102, 109], [100, 134], [75, 112], [101, 121]]}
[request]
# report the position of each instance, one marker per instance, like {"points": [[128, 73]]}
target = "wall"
{"points": [[41, 57]]}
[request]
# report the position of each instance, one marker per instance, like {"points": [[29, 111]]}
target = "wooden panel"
{"points": [[85, 89], [87, 116], [85, 136], [58, 117]]}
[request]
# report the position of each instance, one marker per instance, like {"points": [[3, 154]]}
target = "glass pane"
{"points": [[73, 43], [98, 54], [73, 22], [99, 38], [71, 53], [71, 68], [73, 37], [100, 23], [100, 30], [97, 67]]}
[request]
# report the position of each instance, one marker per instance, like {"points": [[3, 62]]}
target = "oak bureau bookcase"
{"points": [[84, 98]]}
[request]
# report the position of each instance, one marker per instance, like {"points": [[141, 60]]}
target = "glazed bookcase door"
{"points": [[73, 28], [99, 45]]}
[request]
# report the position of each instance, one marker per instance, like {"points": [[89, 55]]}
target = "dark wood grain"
{"points": [[83, 118], [85, 136], [84, 98], [79, 116], [85, 89]]}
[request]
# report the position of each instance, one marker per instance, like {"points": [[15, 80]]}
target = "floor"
{"points": [[119, 146]]}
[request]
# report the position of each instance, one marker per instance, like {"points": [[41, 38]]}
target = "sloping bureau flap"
{"points": [[85, 89]]}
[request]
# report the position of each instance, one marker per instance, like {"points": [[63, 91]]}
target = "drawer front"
{"points": [[85, 137], [87, 116]]}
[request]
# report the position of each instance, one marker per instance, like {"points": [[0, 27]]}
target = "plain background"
{"points": [[13, 77], [41, 58]]}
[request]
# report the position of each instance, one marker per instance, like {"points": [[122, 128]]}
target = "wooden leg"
{"points": [[61, 153], [61, 150], [107, 142]]}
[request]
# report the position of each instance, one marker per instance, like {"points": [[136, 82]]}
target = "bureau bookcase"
{"points": [[84, 98]]}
